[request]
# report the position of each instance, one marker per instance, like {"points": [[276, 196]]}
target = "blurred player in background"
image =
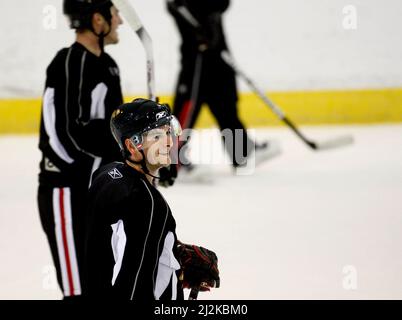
{"points": [[205, 78], [82, 90]]}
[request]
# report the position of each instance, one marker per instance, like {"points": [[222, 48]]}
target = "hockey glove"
{"points": [[167, 175], [199, 267]]}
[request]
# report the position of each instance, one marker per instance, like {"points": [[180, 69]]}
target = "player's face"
{"points": [[113, 36], [157, 145]]}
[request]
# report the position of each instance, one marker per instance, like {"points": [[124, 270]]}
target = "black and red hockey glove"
{"points": [[167, 175], [199, 267]]}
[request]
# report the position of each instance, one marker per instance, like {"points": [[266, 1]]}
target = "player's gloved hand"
{"points": [[167, 175], [209, 34], [199, 267], [202, 37]]}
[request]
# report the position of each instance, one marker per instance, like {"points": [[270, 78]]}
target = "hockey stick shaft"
{"points": [[184, 13], [229, 61], [194, 293], [329, 144], [129, 13], [275, 109]]}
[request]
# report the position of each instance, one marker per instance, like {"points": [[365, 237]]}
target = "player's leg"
{"points": [[186, 108], [186, 105], [79, 199], [222, 99], [55, 208], [45, 206], [236, 140]]}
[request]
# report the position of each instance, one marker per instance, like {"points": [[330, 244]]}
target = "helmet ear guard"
{"points": [[137, 140]]}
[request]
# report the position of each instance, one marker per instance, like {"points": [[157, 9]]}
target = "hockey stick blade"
{"points": [[334, 143]]}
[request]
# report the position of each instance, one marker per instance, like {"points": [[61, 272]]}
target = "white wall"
{"points": [[282, 44]]}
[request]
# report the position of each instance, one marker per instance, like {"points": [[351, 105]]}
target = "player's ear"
{"points": [[97, 21]]}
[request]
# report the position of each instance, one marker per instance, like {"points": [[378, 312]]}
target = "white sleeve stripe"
{"points": [[167, 267], [119, 240], [49, 120], [145, 243], [98, 96], [157, 249], [95, 166]]}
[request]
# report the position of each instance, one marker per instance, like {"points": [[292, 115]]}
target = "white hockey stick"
{"points": [[185, 13], [129, 13], [329, 144]]}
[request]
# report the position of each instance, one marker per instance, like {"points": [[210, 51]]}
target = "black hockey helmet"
{"points": [[80, 12], [132, 120]]}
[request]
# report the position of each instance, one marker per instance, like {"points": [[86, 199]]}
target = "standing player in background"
{"points": [[82, 90], [205, 78]]}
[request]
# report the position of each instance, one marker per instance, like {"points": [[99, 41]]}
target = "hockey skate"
{"points": [[263, 152], [195, 174], [266, 151]]}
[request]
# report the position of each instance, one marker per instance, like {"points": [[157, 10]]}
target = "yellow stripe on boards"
{"points": [[19, 115], [315, 108], [304, 107]]}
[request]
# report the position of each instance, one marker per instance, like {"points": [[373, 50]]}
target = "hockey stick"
{"points": [[184, 13], [328, 144], [129, 13], [194, 293]]}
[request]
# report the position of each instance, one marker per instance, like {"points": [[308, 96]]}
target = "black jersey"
{"points": [[208, 15], [217, 79], [81, 92], [131, 243]]}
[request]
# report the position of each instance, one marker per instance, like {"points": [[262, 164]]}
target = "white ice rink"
{"points": [[305, 225]]}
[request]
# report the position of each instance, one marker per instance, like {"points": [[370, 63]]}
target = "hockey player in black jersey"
{"points": [[204, 77], [82, 90], [132, 250]]}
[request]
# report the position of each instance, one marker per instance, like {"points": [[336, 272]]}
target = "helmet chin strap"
{"points": [[101, 36], [142, 163]]}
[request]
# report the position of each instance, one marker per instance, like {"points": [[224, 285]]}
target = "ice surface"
{"points": [[300, 227]]}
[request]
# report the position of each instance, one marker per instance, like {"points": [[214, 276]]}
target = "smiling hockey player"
{"points": [[132, 249]]}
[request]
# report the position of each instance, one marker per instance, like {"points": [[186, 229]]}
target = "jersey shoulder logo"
{"points": [[114, 71], [115, 174]]}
